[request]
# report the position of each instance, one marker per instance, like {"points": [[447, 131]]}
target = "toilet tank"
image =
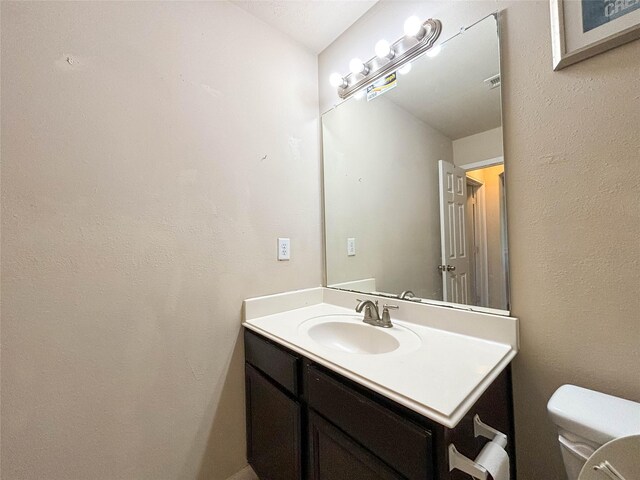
{"points": [[587, 420]]}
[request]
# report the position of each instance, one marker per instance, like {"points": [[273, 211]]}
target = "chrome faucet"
{"points": [[372, 314], [406, 294]]}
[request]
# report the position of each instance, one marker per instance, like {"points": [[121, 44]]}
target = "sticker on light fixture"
{"points": [[382, 86]]}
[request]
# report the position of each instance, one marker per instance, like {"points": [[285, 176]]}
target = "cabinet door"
{"points": [[334, 456], [401, 444], [273, 429]]}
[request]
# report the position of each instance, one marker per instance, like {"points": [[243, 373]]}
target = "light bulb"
{"points": [[336, 80], [357, 66], [384, 50], [434, 51], [406, 68], [413, 27]]}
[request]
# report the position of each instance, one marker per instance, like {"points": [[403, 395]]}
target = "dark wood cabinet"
{"points": [[307, 422], [334, 456], [280, 365], [274, 429], [399, 442]]}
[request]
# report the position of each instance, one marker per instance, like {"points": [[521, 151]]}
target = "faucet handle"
{"points": [[386, 317]]}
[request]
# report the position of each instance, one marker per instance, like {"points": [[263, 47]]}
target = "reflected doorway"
{"points": [[473, 234]]}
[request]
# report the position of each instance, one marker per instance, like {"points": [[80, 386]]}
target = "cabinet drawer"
{"points": [[274, 361], [400, 443]]}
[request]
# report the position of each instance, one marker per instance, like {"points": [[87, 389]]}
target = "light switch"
{"points": [[351, 247], [284, 249]]}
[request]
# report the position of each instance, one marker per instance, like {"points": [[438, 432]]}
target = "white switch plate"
{"points": [[284, 249], [351, 247]]}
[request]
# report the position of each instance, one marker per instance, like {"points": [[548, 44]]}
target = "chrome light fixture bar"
{"points": [[419, 38]]}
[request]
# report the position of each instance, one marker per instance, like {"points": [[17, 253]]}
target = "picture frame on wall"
{"points": [[583, 28]]}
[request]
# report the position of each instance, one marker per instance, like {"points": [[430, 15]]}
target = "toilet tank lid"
{"points": [[593, 415]]}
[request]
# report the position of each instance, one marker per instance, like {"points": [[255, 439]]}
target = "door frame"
{"points": [[504, 243], [480, 257], [489, 162]]}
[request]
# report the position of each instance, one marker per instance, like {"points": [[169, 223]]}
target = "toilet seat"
{"points": [[622, 454], [586, 420]]}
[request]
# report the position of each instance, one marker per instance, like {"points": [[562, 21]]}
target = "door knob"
{"points": [[451, 268], [442, 268]]}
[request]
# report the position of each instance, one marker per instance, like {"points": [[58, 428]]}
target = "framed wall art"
{"points": [[583, 28]]}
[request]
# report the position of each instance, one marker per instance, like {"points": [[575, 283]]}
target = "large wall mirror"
{"points": [[414, 181]]}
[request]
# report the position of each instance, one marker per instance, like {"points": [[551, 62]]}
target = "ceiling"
{"points": [[313, 23], [448, 91], [453, 99]]}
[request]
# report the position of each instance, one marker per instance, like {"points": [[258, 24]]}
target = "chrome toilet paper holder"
{"points": [[468, 466]]}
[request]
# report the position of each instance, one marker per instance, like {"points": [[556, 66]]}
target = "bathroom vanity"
{"points": [[415, 219], [333, 405]]}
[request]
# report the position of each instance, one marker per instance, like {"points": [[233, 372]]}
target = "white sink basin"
{"points": [[353, 338], [349, 334]]}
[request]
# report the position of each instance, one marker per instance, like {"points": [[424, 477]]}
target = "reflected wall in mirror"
{"points": [[414, 181]]}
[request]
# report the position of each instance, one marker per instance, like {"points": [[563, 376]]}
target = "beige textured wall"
{"points": [[365, 144], [572, 156], [144, 185], [573, 193]]}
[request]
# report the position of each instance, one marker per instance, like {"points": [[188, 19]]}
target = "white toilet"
{"points": [[586, 420]]}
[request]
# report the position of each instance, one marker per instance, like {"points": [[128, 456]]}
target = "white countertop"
{"points": [[440, 377]]}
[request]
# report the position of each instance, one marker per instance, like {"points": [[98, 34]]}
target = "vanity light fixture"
{"points": [[337, 81], [384, 50], [413, 28], [433, 52], [357, 66], [419, 38]]}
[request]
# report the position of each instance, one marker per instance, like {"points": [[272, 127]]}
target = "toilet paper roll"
{"points": [[494, 458]]}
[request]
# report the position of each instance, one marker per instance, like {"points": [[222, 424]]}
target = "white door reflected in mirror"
{"points": [[453, 233]]}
